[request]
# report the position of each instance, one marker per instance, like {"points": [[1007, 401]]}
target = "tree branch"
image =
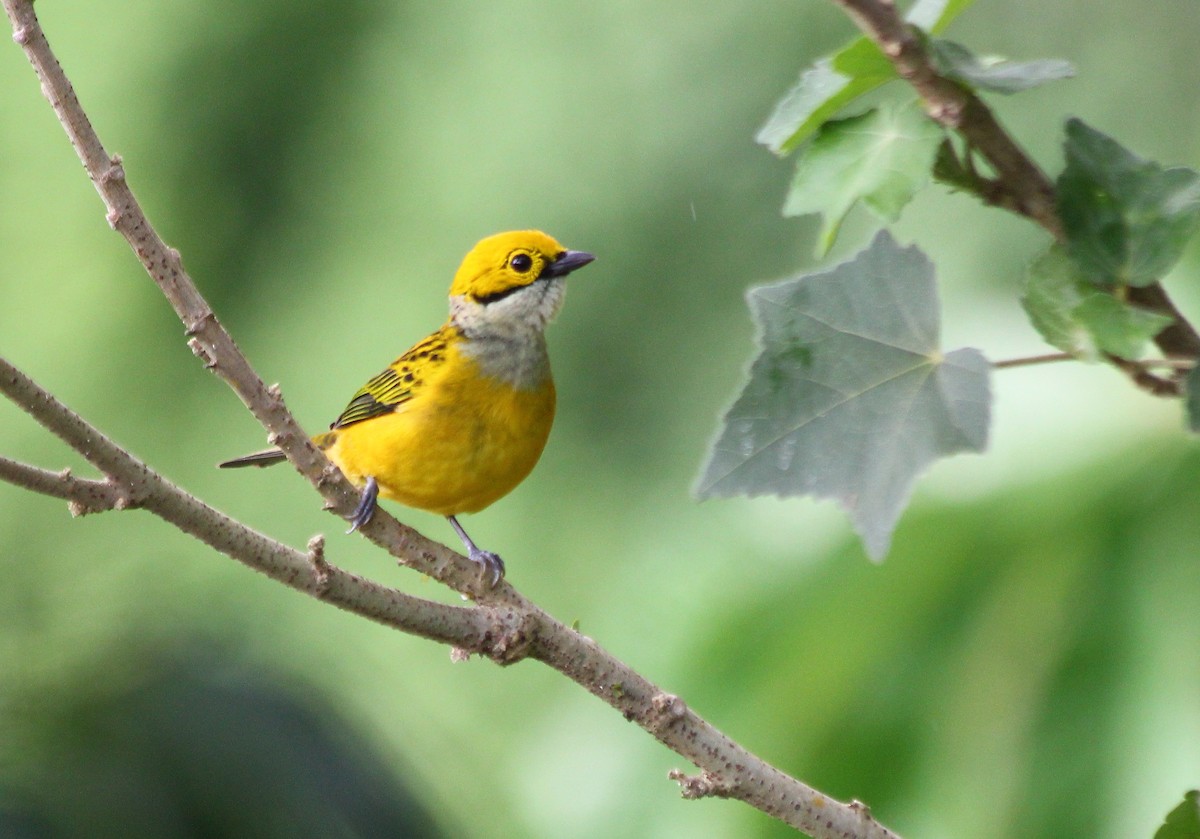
{"points": [[502, 633], [131, 484], [1020, 185], [506, 627], [85, 495]]}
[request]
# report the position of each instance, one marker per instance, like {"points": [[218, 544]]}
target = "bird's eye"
{"points": [[521, 263]]}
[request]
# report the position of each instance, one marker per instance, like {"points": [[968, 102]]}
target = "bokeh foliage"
{"points": [[1026, 661]]}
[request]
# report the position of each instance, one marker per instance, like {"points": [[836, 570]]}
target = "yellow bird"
{"points": [[461, 418]]}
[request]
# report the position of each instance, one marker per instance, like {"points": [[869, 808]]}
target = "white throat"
{"points": [[507, 337]]}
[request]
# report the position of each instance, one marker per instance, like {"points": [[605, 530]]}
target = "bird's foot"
{"points": [[366, 506], [492, 564]]}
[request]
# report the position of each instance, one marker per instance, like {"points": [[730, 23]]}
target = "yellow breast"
{"points": [[462, 441]]}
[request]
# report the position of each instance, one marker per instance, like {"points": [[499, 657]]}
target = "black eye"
{"points": [[521, 263]]}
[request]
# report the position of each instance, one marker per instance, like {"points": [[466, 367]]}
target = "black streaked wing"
{"points": [[380, 395], [396, 384]]}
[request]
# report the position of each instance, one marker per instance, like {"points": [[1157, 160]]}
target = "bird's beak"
{"points": [[567, 262]]}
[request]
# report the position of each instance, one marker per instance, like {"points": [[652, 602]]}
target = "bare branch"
{"points": [[85, 495], [726, 764]]}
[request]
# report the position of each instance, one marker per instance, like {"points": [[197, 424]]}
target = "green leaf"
{"points": [[1126, 219], [851, 397], [881, 157], [1117, 327], [823, 90], [1191, 390], [996, 74], [837, 80], [951, 170], [933, 16], [1079, 318], [1184, 821]]}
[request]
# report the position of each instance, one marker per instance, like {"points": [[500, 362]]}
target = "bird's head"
{"points": [[512, 282]]}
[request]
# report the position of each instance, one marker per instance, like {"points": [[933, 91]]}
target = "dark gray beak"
{"points": [[566, 262]]}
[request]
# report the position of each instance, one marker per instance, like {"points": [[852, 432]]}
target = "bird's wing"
{"points": [[380, 395], [396, 384]]}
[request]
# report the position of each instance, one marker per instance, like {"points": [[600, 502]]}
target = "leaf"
{"points": [[1184, 821], [933, 16], [996, 74], [1079, 318], [837, 80], [1191, 390], [1117, 327], [823, 90], [881, 157], [851, 397], [950, 169], [1126, 219]]}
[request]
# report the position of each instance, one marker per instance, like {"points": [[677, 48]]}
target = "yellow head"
{"points": [[512, 282]]}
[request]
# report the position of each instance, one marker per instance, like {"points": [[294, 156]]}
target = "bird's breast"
{"points": [[519, 360], [473, 431]]}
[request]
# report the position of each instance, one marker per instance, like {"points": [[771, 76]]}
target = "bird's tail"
{"points": [[268, 457]]}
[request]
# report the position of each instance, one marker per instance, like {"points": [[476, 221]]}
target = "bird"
{"points": [[461, 418]]}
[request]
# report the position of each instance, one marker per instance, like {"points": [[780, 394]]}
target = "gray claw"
{"points": [[490, 562]]}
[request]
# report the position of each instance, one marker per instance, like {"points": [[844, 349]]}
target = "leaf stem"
{"points": [[1030, 360], [1138, 371]]}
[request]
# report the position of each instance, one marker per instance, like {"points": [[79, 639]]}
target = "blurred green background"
{"points": [[1025, 663]]}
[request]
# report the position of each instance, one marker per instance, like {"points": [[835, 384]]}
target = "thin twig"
{"points": [[84, 495], [1143, 378], [1183, 364], [1137, 370], [507, 628], [1029, 360]]}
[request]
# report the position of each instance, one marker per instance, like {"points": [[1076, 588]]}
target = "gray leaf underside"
{"points": [[851, 397]]}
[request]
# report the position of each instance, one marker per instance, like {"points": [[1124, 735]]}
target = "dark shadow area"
{"points": [[196, 750]]}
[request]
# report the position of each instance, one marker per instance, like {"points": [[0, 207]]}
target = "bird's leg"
{"points": [[366, 506], [491, 562]]}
